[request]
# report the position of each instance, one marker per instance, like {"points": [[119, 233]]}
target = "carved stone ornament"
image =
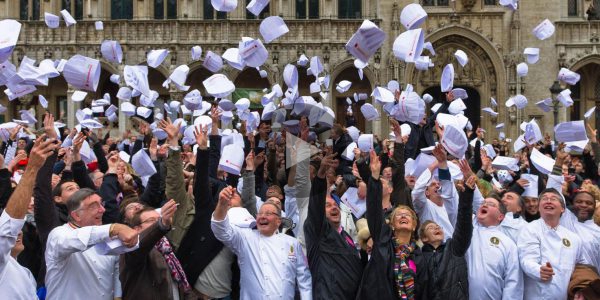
{"points": [[468, 4]]}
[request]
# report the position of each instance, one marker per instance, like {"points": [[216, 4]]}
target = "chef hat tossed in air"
{"points": [[409, 45], [461, 57], [519, 101], [544, 30], [532, 55], [455, 141], [522, 69], [568, 76], [111, 51], [82, 72], [447, 78], [218, 85], [156, 57], [272, 28], [412, 16], [365, 41], [369, 112]]}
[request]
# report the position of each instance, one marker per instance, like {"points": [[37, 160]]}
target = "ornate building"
{"points": [[493, 37]]}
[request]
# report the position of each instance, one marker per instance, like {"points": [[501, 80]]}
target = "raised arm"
{"points": [[46, 217], [398, 169], [109, 190], [150, 236], [461, 238], [316, 222], [12, 219], [248, 190], [202, 194], [375, 219], [80, 174]]}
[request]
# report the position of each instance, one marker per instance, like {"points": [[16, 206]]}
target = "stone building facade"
{"points": [[492, 36]]}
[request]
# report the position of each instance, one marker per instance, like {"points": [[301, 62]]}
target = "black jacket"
{"points": [[442, 273], [335, 266], [200, 246], [378, 277]]}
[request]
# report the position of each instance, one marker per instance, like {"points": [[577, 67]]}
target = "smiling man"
{"points": [[548, 251], [73, 261], [270, 263], [492, 259], [333, 257], [437, 200]]}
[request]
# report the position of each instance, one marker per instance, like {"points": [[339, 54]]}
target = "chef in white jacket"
{"points": [[548, 251], [16, 281], [270, 262], [437, 200], [492, 258]]}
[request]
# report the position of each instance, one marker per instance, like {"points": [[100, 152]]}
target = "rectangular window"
{"points": [[209, 12], [36, 9], [121, 10], [171, 9], [159, 9], [301, 9], [74, 6], [263, 14], [349, 9], [572, 8], [313, 9], [61, 107], [489, 2], [24, 10]]}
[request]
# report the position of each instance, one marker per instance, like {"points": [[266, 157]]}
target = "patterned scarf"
{"points": [[164, 247], [405, 275]]}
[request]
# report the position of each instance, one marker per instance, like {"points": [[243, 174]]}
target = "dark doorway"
{"points": [[359, 87], [473, 103]]}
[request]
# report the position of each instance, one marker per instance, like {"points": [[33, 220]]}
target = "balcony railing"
{"points": [[140, 32], [577, 32]]}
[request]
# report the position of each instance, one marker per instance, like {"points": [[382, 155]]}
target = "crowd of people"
{"points": [[299, 218]]}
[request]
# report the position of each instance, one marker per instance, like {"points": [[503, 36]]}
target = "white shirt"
{"points": [[589, 232], [16, 281], [445, 215], [512, 226], [538, 244], [493, 264], [75, 269], [269, 266]]}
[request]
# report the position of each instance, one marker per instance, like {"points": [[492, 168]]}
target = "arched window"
{"points": [[349, 9], [307, 9], [75, 8], [164, 8], [211, 14], [121, 10]]}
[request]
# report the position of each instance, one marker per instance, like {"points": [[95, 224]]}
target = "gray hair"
{"points": [[74, 202]]}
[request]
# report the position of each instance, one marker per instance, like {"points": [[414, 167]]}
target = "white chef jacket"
{"points": [[269, 266], [444, 215], [512, 226], [493, 264], [16, 281], [538, 244], [75, 269], [588, 232]]}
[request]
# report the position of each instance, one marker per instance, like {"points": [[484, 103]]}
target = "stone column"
{"points": [[71, 108]]}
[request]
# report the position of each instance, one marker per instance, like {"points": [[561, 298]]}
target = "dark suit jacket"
{"points": [[144, 273]]}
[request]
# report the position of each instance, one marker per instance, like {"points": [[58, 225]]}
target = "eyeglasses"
{"points": [[267, 214], [403, 215], [92, 207], [490, 204], [550, 199]]}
